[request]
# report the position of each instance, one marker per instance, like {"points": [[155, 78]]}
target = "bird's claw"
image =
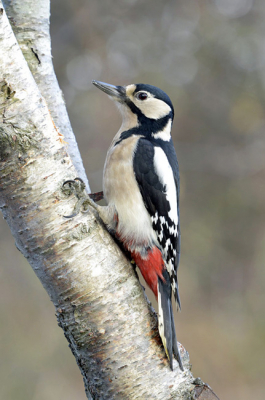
{"points": [[77, 187]]}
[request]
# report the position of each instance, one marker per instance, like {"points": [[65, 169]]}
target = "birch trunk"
{"points": [[30, 23], [100, 305]]}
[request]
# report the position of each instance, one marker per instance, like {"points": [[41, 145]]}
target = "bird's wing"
{"points": [[156, 172]]}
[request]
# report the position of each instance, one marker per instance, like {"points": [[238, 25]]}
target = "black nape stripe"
{"points": [[147, 127]]}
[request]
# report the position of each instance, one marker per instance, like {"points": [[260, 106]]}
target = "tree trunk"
{"points": [[100, 305]]}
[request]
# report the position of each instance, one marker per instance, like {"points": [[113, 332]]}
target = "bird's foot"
{"points": [[84, 200]]}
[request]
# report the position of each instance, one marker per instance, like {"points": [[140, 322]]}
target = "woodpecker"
{"points": [[141, 189]]}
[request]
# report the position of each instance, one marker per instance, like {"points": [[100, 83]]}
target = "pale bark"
{"points": [[100, 305], [30, 22]]}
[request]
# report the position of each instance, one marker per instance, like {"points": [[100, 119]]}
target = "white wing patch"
{"points": [[165, 175], [155, 218], [167, 226]]}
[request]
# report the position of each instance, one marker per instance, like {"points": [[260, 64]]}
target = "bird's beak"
{"points": [[118, 92]]}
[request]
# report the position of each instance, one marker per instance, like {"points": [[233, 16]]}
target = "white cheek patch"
{"points": [[165, 134], [152, 107]]}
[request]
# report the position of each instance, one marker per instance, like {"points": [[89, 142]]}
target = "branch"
{"points": [[111, 329], [30, 23]]}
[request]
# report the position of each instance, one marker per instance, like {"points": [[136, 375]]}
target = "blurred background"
{"points": [[209, 57]]}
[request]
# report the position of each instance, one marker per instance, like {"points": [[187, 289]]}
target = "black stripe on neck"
{"points": [[147, 127]]}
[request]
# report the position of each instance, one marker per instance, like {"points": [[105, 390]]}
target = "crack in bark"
{"points": [[35, 52]]}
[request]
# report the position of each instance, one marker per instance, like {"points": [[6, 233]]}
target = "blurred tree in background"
{"points": [[209, 56]]}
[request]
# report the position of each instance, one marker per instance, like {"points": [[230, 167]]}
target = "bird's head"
{"points": [[140, 102]]}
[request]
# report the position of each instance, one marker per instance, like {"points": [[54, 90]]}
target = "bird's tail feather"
{"points": [[166, 325], [175, 342]]}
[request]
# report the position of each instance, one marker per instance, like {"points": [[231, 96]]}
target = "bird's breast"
{"points": [[121, 189]]}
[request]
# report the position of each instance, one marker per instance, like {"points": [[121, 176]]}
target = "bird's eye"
{"points": [[142, 96]]}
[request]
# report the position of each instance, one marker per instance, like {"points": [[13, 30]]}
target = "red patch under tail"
{"points": [[151, 267]]}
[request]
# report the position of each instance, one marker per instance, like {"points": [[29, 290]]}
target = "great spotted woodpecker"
{"points": [[141, 188]]}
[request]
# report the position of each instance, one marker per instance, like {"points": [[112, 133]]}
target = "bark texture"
{"points": [[30, 23], [100, 305]]}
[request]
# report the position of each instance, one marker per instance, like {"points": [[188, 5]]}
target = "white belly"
{"points": [[121, 190]]}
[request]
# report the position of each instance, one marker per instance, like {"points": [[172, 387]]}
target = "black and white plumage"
{"points": [[141, 188], [159, 183]]}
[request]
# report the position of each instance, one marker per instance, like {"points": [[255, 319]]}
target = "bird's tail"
{"points": [[166, 324]]}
